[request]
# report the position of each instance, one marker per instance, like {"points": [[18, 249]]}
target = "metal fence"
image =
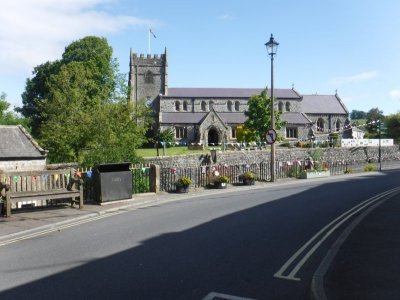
{"points": [[203, 176]]}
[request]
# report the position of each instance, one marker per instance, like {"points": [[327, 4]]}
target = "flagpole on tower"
{"points": [[151, 33], [149, 41]]}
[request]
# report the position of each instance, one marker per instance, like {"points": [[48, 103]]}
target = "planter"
{"points": [[249, 182], [220, 185], [314, 174], [180, 189]]}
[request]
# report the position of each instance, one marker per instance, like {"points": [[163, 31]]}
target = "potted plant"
{"points": [[221, 182], [248, 178], [182, 184]]}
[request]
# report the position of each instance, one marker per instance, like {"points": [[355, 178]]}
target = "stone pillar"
{"points": [[155, 178]]}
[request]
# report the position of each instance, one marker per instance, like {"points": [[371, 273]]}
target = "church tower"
{"points": [[148, 77]]}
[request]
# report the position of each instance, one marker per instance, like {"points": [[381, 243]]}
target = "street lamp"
{"points": [[272, 47]]}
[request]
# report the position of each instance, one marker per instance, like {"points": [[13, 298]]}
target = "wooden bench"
{"points": [[18, 188]]}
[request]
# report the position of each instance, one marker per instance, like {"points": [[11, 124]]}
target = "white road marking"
{"points": [[334, 224], [212, 295]]}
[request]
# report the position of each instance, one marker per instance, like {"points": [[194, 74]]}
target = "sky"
{"points": [[351, 47]]}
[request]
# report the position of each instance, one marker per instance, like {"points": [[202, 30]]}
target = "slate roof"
{"points": [[15, 142], [227, 93], [320, 104], [228, 118], [295, 118], [190, 118]]}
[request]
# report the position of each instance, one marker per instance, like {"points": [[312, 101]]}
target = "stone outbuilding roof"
{"points": [[323, 104], [227, 93], [295, 118], [16, 142]]}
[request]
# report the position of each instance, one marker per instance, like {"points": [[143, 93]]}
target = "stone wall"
{"points": [[22, 165], [257, 156]]}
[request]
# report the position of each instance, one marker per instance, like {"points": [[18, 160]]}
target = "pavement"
{"points": [[362, 265], [26, 221]]}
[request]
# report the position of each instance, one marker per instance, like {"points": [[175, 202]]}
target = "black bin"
{"points": [[112, 182]]}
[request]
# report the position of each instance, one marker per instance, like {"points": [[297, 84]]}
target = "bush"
{"points": [[222, 178], [369, 168], [247, 175], [184, 180]]}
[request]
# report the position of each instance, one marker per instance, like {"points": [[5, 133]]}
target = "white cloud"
{"points": [[356, 78], [395, 94], [225, 17], [34, 32]]}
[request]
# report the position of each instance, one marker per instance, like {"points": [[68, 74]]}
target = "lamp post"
{"points": [[380, 154], [272, 47]]}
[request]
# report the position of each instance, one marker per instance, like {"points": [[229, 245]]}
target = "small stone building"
{"points": [[212, 115], [19, 151]]}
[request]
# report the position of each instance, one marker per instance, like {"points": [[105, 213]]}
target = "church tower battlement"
{"points": [[148, 77]]}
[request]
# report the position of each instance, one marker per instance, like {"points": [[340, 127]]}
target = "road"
{"points": [[255, 244]]}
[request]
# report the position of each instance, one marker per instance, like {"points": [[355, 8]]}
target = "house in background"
{"points": [[212, 115], [19, 151]]}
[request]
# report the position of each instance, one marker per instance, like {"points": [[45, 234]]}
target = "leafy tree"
{"points": [[94, 54], [373, 115], [118, 139], [259, 117], [167, 135], [36, 91], [392, 123], [8, 117], [243, 134], [358, 114], [78, 106]]}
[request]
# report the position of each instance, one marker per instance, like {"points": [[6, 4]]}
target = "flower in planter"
{"points": [[222, 179], [247, 176], [184, 181]]}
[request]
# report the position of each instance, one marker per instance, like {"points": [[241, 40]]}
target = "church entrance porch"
{"points": [[213, 137]]}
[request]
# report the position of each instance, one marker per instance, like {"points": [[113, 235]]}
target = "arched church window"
{"points": [[320, 125], [337, 125], [149, 77], [280, 106], [229, 105], [233, 133], [185, 105], [177, 106], [288, 106], [237, 105], [203, 106], [211, 105]]}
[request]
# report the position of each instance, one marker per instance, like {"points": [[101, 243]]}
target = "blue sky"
{"points": [[349, 46]]}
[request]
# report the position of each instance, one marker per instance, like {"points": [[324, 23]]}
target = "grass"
{"points": [[183, 150]]}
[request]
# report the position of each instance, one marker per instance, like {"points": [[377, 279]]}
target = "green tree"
{"points": [[94, 54], [118, 139], [373, 115], [36, 91], [8, 117], [392, 122], [79, 107], [167, 135], [259, 117], [358, 114]]}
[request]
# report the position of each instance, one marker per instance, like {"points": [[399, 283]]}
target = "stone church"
{"points": [[212, 115]]}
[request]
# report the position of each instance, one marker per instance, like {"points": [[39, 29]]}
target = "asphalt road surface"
{"points": [[255, 244]]}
